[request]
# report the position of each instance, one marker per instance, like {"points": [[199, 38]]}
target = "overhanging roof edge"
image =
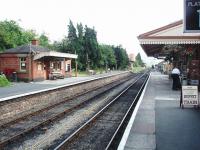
{"points": [[54, 54]]}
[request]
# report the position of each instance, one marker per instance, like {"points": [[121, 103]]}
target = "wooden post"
{"points": [[76, 69]]}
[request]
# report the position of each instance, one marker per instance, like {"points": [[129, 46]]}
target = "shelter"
{"points": [[178, 48], [32, 62]]}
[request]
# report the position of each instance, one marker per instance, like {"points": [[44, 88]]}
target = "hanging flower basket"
{"points": [[189, 51]]}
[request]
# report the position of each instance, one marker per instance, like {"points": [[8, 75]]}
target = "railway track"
{"points": [[26, 126], [104, 130]]}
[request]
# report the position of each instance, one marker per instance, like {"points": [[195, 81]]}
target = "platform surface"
{"points": [[20, 88], [160, 123]]}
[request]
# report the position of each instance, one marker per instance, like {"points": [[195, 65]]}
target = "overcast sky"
{"points": [[116, 21]]}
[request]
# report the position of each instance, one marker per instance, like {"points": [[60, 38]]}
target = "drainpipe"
{"points": [[31, 60], [30, 65]]}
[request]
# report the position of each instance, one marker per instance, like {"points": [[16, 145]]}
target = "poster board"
{"points": [[190, 95]]}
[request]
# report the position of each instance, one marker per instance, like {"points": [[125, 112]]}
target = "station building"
{"points": [[176, 48], [32, 62]]}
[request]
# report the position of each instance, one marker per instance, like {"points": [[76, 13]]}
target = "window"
{"points": [[68, 68], [23, 64], [57, 65], [39, 66]]}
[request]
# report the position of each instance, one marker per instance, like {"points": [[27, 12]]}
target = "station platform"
{"points": [[159, 123], [20, 88]]}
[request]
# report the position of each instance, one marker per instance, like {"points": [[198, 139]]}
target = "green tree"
{"points": [[72, 38], [28, 35], [44, 40], [9, 34], [91, 48], [91, 55], [107, 56], [139, 61], [80, 47], [12, 35], [121, 57]]}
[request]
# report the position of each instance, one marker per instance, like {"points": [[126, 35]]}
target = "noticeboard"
{"points": [[190, 95], [192, 16]]}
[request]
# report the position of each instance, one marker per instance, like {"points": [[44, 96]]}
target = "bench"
{"points": [[91, 72], [56, 75]]}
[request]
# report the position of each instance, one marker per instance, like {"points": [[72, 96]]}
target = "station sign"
{"points": [[192, 16], [190, 95]]}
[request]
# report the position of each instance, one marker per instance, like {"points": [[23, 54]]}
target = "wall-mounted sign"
{"points": [[190, 95], [192, 16]]}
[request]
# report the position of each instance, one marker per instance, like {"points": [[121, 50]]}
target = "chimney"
{"points": [[35, 42]]}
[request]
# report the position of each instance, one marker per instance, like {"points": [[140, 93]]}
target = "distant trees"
{"points": [[12, 35], [91, 48], [121, 57], [138, 61], [72, 38], [44, 40], [81, 40], [108, 58]]}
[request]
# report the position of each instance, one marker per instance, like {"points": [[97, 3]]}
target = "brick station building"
{"points": [[32, 62]]}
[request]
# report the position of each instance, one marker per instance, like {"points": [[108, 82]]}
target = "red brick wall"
{"points": [[12, 61], [9, 61], [38, 70], [68, 74]]}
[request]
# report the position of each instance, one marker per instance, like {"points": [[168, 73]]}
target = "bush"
{"points": [[4, 81]]}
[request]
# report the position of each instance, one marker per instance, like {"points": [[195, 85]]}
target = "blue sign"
{"points": [[192, 16]]}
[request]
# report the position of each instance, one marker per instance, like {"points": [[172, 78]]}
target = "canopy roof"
{"points": [[38, 51], [153, 42], [54, 54]]}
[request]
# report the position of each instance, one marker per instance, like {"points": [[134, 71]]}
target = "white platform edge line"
{"points": [[129, 126]]}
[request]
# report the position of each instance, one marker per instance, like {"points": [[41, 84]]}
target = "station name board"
{"points": [[192, 16]]}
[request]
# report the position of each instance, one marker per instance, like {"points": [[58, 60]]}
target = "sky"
{"points": [[117, 22]]}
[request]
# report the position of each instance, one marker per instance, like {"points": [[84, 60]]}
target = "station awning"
{"points": [[154, 42], [54, 54]]}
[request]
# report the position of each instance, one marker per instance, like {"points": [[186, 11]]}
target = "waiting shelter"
{"points": [[32, 62], [175, 47]]}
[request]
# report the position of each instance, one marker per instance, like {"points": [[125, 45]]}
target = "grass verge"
{"points": [[137, 69]]}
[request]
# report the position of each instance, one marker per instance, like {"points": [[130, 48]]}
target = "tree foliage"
{"points": [[72, 38], [80, 40], [139, 61], [44, 40], [12, 35], [121, 57], [108, 58], [80, 47], [91, 47]]}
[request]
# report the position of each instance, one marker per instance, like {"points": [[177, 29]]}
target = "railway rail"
{"points": [[27, 103], [15, 130], [104, 129]]}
